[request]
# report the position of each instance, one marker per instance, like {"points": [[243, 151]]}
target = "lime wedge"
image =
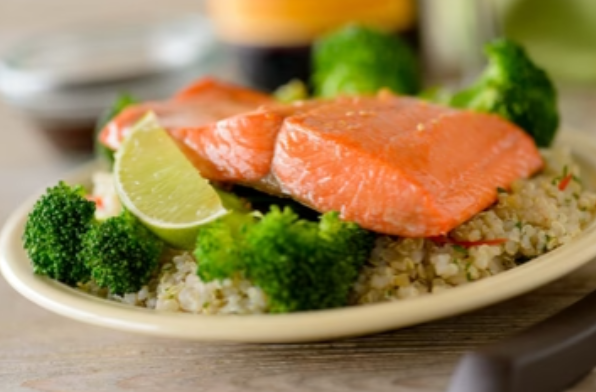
{"points": [[158, 184]]}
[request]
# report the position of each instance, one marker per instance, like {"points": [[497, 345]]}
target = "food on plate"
{"points": [[216, 124], [66, 242], [238, 149], [240, 202], [54, 233], [233, 148], [366, 156], [156, 182], [530, 219], [299, 265], [204, 102], [120, 253], [413, 154]]}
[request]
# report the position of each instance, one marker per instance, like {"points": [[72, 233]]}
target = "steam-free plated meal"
{"points": [[226, 200]]}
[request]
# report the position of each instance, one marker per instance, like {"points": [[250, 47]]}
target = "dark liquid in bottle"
{"points": [[267, 68], [271, 40]]}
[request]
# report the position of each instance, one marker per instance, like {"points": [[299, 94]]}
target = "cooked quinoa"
{"points": [[176, 287], [533, 217]]}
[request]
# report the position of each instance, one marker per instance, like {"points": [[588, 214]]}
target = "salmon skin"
{"points": [[399, 165]]}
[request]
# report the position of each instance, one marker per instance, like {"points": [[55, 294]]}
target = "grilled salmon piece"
{"points": [[399, 165], [239, 149], [200, 104]]}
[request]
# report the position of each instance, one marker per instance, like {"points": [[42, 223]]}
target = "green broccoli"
{"points": [[121, 103], [299, 265], [121, 253], [66, 242], [358, 59], [54, 231], [513, 87], [220, 247]]}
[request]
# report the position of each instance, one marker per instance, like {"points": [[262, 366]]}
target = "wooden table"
{"points": [[40, 351]]}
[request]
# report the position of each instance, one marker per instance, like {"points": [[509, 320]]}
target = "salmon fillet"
{"points": [[239, 149], [399, 165], [202, 103], [227, 132]]}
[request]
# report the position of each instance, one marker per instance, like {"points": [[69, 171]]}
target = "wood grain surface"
{"points": [[42, 352]]}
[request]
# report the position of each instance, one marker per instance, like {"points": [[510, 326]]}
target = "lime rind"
{"points": [[160, 186]]}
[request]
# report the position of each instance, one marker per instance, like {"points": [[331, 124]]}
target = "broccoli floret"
{"points": [[121, 103], [299, 265], [220, 246], [121, 253], [360, 60], [66, 242], [513, 87], [54, 231]]}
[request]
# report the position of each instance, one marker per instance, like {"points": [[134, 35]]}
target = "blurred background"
{"points": [[559, 35], [64, 61], [29, 158]]}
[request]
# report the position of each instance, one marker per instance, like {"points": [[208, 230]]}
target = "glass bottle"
{"points": [[270, 40]]}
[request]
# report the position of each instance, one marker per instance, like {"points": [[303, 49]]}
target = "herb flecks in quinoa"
{"points": [[532, 218]]}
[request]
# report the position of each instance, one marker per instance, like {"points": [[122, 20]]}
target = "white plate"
{"points": [[305, 326]]}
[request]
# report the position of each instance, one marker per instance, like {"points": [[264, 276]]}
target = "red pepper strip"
{"points": [[565, 182], [467, 244], [97, 200]]}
